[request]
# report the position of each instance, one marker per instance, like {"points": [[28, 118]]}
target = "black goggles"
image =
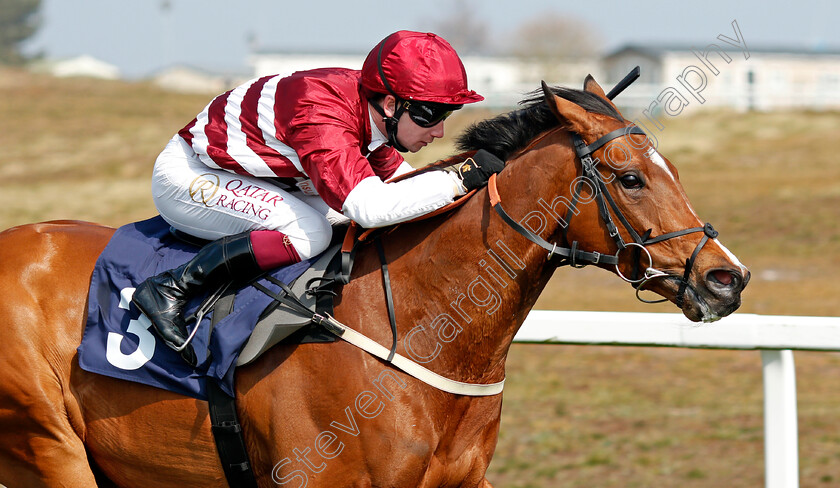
{"points": [[428, 114]]}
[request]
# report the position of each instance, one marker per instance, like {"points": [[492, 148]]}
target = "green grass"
{"points": [[573, 416]]}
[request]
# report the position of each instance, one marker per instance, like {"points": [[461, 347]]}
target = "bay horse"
{"points": [[332, 415]]}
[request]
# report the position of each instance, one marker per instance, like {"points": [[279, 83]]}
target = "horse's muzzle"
{"points": [[718, 295]]}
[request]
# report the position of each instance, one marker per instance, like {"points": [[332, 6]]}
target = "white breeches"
{"points": [[212, 203]]}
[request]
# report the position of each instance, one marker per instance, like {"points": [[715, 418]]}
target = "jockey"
{"points": [[266, 168]]}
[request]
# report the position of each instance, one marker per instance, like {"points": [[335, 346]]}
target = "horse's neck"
{"points": [[481, 278]]}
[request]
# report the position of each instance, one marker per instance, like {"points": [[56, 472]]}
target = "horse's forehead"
{"points": [[654, 157]]}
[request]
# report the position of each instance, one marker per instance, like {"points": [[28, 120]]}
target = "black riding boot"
{"points": [[162, 298]]}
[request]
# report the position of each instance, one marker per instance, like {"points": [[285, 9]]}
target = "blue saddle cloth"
{"points": [[119, 341]]}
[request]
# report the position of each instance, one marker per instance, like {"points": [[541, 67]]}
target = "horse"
{"points": [[330, 414]]}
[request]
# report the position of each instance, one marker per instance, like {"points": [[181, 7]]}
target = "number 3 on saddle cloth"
{"points": [[119, 341]]}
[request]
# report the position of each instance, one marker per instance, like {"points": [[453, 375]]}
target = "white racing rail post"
{"points": [[781, 437], [774, 335]]}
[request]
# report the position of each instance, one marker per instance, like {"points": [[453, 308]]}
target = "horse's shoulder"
{"points": [[57, 229], [52, 244]]}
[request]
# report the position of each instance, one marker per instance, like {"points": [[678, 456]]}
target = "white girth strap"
{"points": [[406, 365]]}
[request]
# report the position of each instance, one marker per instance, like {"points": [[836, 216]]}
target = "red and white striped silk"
{"points": [[312, 123]]}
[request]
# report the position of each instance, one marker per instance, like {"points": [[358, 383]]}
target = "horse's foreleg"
{"points": [[40, 441], [42, 453]]}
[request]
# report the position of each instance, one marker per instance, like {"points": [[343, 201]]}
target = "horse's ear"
{"points": [[592, 86], [571, 115]]}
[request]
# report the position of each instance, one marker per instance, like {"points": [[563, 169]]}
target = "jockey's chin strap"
{"points": [[577, 258], [393, 121]]}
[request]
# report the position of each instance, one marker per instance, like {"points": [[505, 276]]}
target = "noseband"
{"points": [[578, 258]]}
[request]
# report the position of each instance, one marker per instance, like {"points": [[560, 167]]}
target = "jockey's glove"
{"points": [[477, 169]]}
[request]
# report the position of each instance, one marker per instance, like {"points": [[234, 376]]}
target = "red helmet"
{"points": [[417, 66]]}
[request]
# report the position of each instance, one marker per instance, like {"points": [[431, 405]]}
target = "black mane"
{"points": [[507, 133]]}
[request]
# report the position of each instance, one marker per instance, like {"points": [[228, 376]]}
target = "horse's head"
{"points": [[661, 245], [625, 210]]}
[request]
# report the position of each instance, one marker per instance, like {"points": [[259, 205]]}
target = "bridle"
{"points": [[572, 256], [640, 242]]}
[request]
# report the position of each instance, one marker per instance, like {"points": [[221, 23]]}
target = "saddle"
{"points": [[288, 324], [288, 318]]}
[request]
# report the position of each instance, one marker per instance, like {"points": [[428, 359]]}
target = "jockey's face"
{"points": [[414, 137], [409, 134]]}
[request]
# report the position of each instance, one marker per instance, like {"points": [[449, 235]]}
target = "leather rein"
{"points": [[578, 258]]}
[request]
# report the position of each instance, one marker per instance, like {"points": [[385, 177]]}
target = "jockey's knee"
{"points": [[311, 235]]}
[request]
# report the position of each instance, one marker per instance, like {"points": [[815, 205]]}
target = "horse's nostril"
{"points": [[723, 277]]}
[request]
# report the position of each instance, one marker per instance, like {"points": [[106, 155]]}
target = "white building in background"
{"points": [[84, 65], [187, 79], [720, 75]]}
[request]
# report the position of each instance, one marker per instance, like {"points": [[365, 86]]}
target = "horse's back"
{"points": [[45, 270]]}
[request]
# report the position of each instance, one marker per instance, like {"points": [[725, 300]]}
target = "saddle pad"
{"points": [[118, 341]]}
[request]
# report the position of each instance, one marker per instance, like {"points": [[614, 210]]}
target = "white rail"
{"points": [[775, 335]]}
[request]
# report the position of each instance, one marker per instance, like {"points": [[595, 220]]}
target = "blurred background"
{"points": [[90, 92]]}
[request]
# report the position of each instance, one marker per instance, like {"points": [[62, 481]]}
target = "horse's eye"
{"points": [[631, 181]]}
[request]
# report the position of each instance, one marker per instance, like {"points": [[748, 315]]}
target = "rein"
{"points": [[390, 356], [357, 339], [578, 258]]}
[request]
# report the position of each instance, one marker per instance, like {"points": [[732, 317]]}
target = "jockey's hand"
{"points": [[476, 170]]}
